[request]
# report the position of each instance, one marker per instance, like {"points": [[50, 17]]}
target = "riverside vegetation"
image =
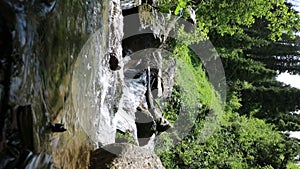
{"points": [[256, 41]]}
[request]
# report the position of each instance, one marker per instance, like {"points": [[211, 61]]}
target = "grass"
{"points": [[193, 104]]}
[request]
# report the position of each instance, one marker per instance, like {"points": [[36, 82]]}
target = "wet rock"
{"points": [[6, 26], [115, 35], [25, 125], [150, 71], [31, 160], [6, 160], [45, 7], [124, 156], [97, 80], [102, 103], [129, 4], [40, 160], [133, 95], [26, 160], [6, 44], [146, 126], [162, 69], [162, 125]]}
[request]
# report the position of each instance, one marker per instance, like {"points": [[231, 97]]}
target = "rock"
{"points": [[162, 125], [124, 156], [146, 126], [153, 71], [26, 160], [133, 94], [129, 4], [168, 76], [25, 126], [115, 36], [114, 62]]}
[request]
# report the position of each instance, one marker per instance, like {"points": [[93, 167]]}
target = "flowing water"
{"points": [[47, 40], [66, 67]]}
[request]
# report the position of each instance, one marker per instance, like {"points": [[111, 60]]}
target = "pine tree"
{"points": [[270, 101]]}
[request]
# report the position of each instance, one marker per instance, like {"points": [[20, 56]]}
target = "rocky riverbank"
{"points": [[67, 66]]}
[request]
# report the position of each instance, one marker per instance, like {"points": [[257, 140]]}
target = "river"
{"points": [[47, 40], [67, 87]]}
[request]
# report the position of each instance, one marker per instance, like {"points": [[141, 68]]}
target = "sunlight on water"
{"points": [[90, 86]]}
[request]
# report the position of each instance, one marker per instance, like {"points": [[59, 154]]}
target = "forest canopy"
{"points": [[256, 40]]}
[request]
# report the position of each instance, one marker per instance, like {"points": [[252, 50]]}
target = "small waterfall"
{"points": [[67, 68]]}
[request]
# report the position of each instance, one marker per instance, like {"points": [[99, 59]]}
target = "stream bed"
{"points": [[66, 86], [46, 38]]}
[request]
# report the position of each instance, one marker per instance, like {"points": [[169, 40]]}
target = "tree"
{"points": [[239, 142], [282, 56], [230, 17], [270, 100], [286, 121], [238, 28]]}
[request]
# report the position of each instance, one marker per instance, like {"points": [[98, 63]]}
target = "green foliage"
{"points": [[292, 166], [192, 37], [230, 17], [273, 100], [124, 137], [282, 56], [192, 91], [286, 121], [247, 34], [177, 7], [189, 69], [244, 69], [236, 142], [233, 102], [172, 108], [239, 142]]}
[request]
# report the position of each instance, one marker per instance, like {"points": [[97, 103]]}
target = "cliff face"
{"points": [[62, 64]]}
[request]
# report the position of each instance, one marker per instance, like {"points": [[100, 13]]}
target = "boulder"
{"points": [[124, 156]]}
